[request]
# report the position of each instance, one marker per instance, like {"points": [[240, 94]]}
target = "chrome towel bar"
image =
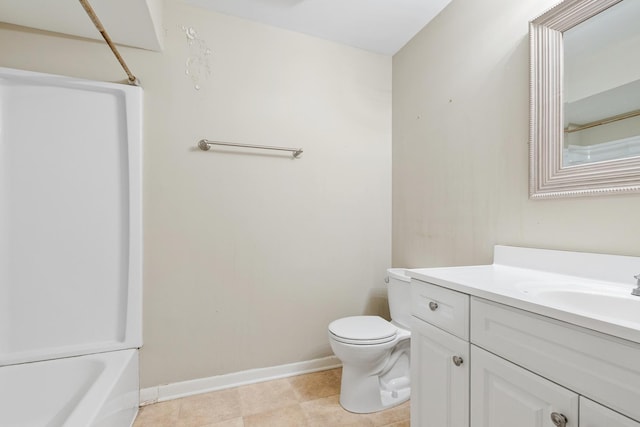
{"points": [[205, 144]]}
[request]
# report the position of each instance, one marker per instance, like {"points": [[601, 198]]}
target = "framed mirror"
{"points": [[585, 99]]}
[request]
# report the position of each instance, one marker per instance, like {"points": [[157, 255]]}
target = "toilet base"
{"points": [[364, 395], [394, 398]]}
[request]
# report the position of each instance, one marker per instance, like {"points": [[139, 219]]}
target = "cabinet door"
{"points": [[439, 386], [595, 415], [506, 395]]}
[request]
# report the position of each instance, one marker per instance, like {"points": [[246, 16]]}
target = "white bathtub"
{"points": [[98, 390]]}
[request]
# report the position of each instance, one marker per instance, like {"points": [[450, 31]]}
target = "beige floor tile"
{"points": [[208, 408], [393, 415], [317, 385], [266, 396], [290, 416], [163, 414], [405, 423], [307, 400], [236, 422], [328, 412]]}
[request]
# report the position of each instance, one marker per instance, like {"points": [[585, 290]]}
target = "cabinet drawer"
{"points": [[595, 415], [444, 308], [598, 366]]}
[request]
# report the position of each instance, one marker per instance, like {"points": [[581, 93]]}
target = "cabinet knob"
{"points": [[558, 420], [457, 360], [433, 305]]}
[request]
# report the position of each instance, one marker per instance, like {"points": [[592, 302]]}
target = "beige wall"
{"points": [[460, 148], [248, 257]]}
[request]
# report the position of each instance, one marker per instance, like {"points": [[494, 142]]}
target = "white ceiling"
{"points": [[382, 26]]}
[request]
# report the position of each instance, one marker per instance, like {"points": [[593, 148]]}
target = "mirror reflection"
{"points": [[601, 87]]}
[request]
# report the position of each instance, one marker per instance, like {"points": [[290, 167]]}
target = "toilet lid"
{"points": [[363, 330]]}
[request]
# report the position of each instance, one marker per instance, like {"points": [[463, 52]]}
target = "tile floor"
{"points": [[305, 400]]}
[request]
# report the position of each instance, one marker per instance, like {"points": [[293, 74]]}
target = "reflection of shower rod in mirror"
{"points": [[603, 121]]}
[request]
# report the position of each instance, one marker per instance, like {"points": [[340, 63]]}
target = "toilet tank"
{"points": [[399, 294]]}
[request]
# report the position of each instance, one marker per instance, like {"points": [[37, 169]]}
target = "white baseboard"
{"points": [[171, 391]]}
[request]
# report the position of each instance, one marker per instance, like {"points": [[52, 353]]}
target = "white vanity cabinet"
{"points": [[597, 366], [440, 342], [439, 386], [594, 415], [502, 392], [516, 368]]}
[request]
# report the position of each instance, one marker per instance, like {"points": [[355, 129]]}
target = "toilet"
{"points": [[375, 353]]}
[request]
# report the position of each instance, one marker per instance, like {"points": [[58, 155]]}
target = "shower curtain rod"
{"points": [[133, 80]]}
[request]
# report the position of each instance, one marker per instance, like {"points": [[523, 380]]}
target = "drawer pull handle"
{"points": [[558, 420], [433, 305], [457, 360]]}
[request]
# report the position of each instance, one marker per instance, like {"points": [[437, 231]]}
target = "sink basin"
{"points": [[603, 305], [602, 301]]}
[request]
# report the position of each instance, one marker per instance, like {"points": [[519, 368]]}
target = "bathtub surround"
{"points": [[460, 148], [248, 256], [70, 250], [70, 218]]}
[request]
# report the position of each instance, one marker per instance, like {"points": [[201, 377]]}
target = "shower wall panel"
{"points": [[70, 216]]}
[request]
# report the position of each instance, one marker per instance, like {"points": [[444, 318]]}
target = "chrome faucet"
{"points": [[636, 290]]}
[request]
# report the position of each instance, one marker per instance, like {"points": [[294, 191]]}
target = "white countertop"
{"points": [[508, 284]]}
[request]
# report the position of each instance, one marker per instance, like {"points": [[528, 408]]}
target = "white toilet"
{"points": [[375, 353]]}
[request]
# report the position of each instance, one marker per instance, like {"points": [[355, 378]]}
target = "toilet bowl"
{"points": [[375, 353]]}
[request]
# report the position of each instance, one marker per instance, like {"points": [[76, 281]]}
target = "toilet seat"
{"points": [[363, 330]]}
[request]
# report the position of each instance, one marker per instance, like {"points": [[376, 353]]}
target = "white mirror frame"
{"points": [[548, 178]]}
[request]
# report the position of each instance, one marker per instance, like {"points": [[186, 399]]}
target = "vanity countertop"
{"points": [[541, 281]]}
